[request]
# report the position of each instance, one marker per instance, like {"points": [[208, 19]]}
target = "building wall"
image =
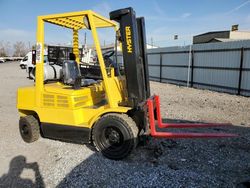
{"points": [[239, 35]]}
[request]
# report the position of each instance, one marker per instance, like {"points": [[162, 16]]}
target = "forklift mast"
{"points": [[133, 38]]}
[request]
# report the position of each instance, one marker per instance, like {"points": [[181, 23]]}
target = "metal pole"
{"points": [[160, 67], [189, 63], [240, 70], [39, 60], [116, 59], [112, 103], [192, 70], [85, 38]]}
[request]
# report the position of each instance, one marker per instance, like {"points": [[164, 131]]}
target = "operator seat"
{"points": [[72, 75], [70, 72]]}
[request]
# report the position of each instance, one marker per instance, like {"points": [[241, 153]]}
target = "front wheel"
{"points": [[115, 135]]}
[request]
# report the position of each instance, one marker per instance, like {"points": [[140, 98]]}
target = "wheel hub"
{"points": [[25, 130], [113, 136]]}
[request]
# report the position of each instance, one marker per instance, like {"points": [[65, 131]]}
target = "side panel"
{"points": [[26, 98], [83, 117], [66, 133]]}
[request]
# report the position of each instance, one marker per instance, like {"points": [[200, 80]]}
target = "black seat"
{"points": [[71, 72], [72, 75]]}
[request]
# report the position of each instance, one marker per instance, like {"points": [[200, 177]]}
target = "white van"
{"points": [[26, 60]]}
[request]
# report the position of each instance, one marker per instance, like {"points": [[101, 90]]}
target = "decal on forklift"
{"points": [[128, 39], [38, 52]]}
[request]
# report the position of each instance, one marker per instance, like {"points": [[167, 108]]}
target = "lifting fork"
{"points": [[153, 103]]}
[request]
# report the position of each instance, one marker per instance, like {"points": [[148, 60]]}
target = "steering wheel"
{"points": [[107, 60], [108, 54]]}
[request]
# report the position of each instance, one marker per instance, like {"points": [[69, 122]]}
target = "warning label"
{"points": [[38, 52]]}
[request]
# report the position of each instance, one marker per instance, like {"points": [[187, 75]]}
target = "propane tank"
{"points": [[51, 72]]}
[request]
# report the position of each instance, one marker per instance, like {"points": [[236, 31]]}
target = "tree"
{"points": [[20, 49], [3, 52], [8, 49]]}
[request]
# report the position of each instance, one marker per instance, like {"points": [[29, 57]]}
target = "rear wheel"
{"points": [[115, 135], [29, 128]]}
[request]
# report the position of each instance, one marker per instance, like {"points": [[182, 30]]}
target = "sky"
{"points": [[164, 18]]}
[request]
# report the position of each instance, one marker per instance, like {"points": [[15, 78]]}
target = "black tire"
{"points": [[22, 66], [29, 128], [115, 135]]}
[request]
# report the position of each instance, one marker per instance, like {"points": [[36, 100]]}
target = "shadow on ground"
{"points": [[13, 178], [172, 163]]}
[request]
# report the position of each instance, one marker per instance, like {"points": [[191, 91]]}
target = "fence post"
{"points": [[189, 65], [240, 70], [192, 69], [160, 67]]}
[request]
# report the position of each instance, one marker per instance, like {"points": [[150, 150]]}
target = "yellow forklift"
{"points": [[112, 111]]}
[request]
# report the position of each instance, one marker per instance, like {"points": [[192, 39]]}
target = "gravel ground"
{"points": [[160, 163]]}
